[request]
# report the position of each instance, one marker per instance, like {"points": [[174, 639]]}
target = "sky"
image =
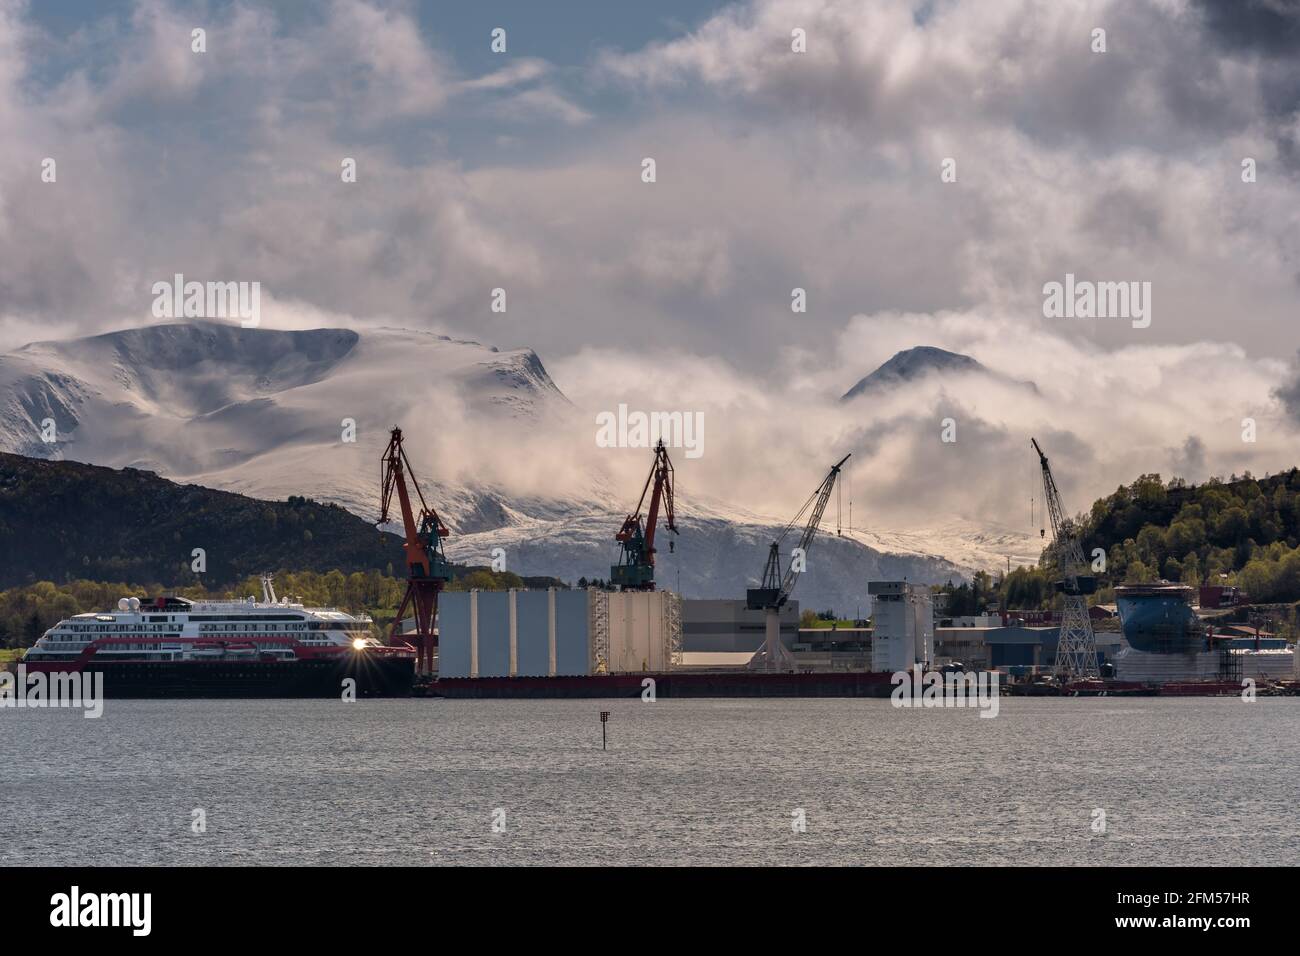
{"points": [[819, 170]]}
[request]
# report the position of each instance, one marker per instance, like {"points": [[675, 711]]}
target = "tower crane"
{"points": [[426, 564], [635, 570], [775, 590], [1076, 647]]}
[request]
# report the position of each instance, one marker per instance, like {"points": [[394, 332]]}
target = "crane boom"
{"points": [[426, 565], [635, 570], [814, 522], [1076, 646], [775, 590], [1066, 548]]}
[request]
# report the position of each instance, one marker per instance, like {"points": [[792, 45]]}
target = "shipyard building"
{"points": [[727, 626], [578, 633], [557, 633]]}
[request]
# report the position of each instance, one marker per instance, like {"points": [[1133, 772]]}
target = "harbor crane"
{"points": [[1076, 647], [775, 590], [635, 570], [426, 564]]}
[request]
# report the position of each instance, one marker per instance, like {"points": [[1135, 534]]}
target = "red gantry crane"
{"points": [[635, 570], [426, 565]]}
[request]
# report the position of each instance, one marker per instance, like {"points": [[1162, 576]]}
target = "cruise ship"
{"points": [[175, 647]]}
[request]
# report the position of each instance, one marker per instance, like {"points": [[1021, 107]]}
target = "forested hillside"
{"points": [[61, 520], [1247, 528], [1243, 531]]}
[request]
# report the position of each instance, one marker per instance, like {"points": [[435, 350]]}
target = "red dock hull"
{"points": [[666, 685]]}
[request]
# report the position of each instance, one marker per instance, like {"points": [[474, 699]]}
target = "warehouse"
{"points": [[557, 632], [729, 626]]}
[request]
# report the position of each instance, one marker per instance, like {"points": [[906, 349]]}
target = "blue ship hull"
{"points": [[1160, 619]]}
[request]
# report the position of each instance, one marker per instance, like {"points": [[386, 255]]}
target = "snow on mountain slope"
{"points": [[964, 543], [719, 553], [499, 450], [261, 411]]}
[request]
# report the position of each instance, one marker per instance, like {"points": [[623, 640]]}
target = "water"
{"points": [[1194, 781]]}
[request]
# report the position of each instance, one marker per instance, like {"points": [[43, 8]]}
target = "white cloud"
{"points": [[775, 170], [518, 72]]}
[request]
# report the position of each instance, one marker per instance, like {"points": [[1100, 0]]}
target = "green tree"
{"points": [[33, 629]]}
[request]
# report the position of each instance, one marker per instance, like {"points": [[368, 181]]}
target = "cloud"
{"points": [[884, 71], [1268, 31], [531, 95], [1288, 391], [543, 103], [775, 171], [521, 71], [1189, 462], [1104, 417], [1271, 27], [226, 165]]}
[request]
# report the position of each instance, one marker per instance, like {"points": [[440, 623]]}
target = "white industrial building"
{"points": [[557, 632], [902, 617]]}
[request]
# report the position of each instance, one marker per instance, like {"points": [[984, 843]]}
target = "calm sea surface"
{"points": [[1196, 781]]}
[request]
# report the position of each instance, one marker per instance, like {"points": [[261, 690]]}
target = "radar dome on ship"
{"points": [[134, 604], [123, 604]]}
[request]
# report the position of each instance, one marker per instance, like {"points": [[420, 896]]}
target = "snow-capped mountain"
{"points": [[267, 413], [264, 412], [914, 364]]}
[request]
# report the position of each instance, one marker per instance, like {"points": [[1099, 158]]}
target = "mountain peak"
{"points": [[911, 364], [915, 363]]}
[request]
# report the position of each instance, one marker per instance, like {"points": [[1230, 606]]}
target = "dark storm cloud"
{"points": [[1188, 462], [1270, 27], [1289, 393]]}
